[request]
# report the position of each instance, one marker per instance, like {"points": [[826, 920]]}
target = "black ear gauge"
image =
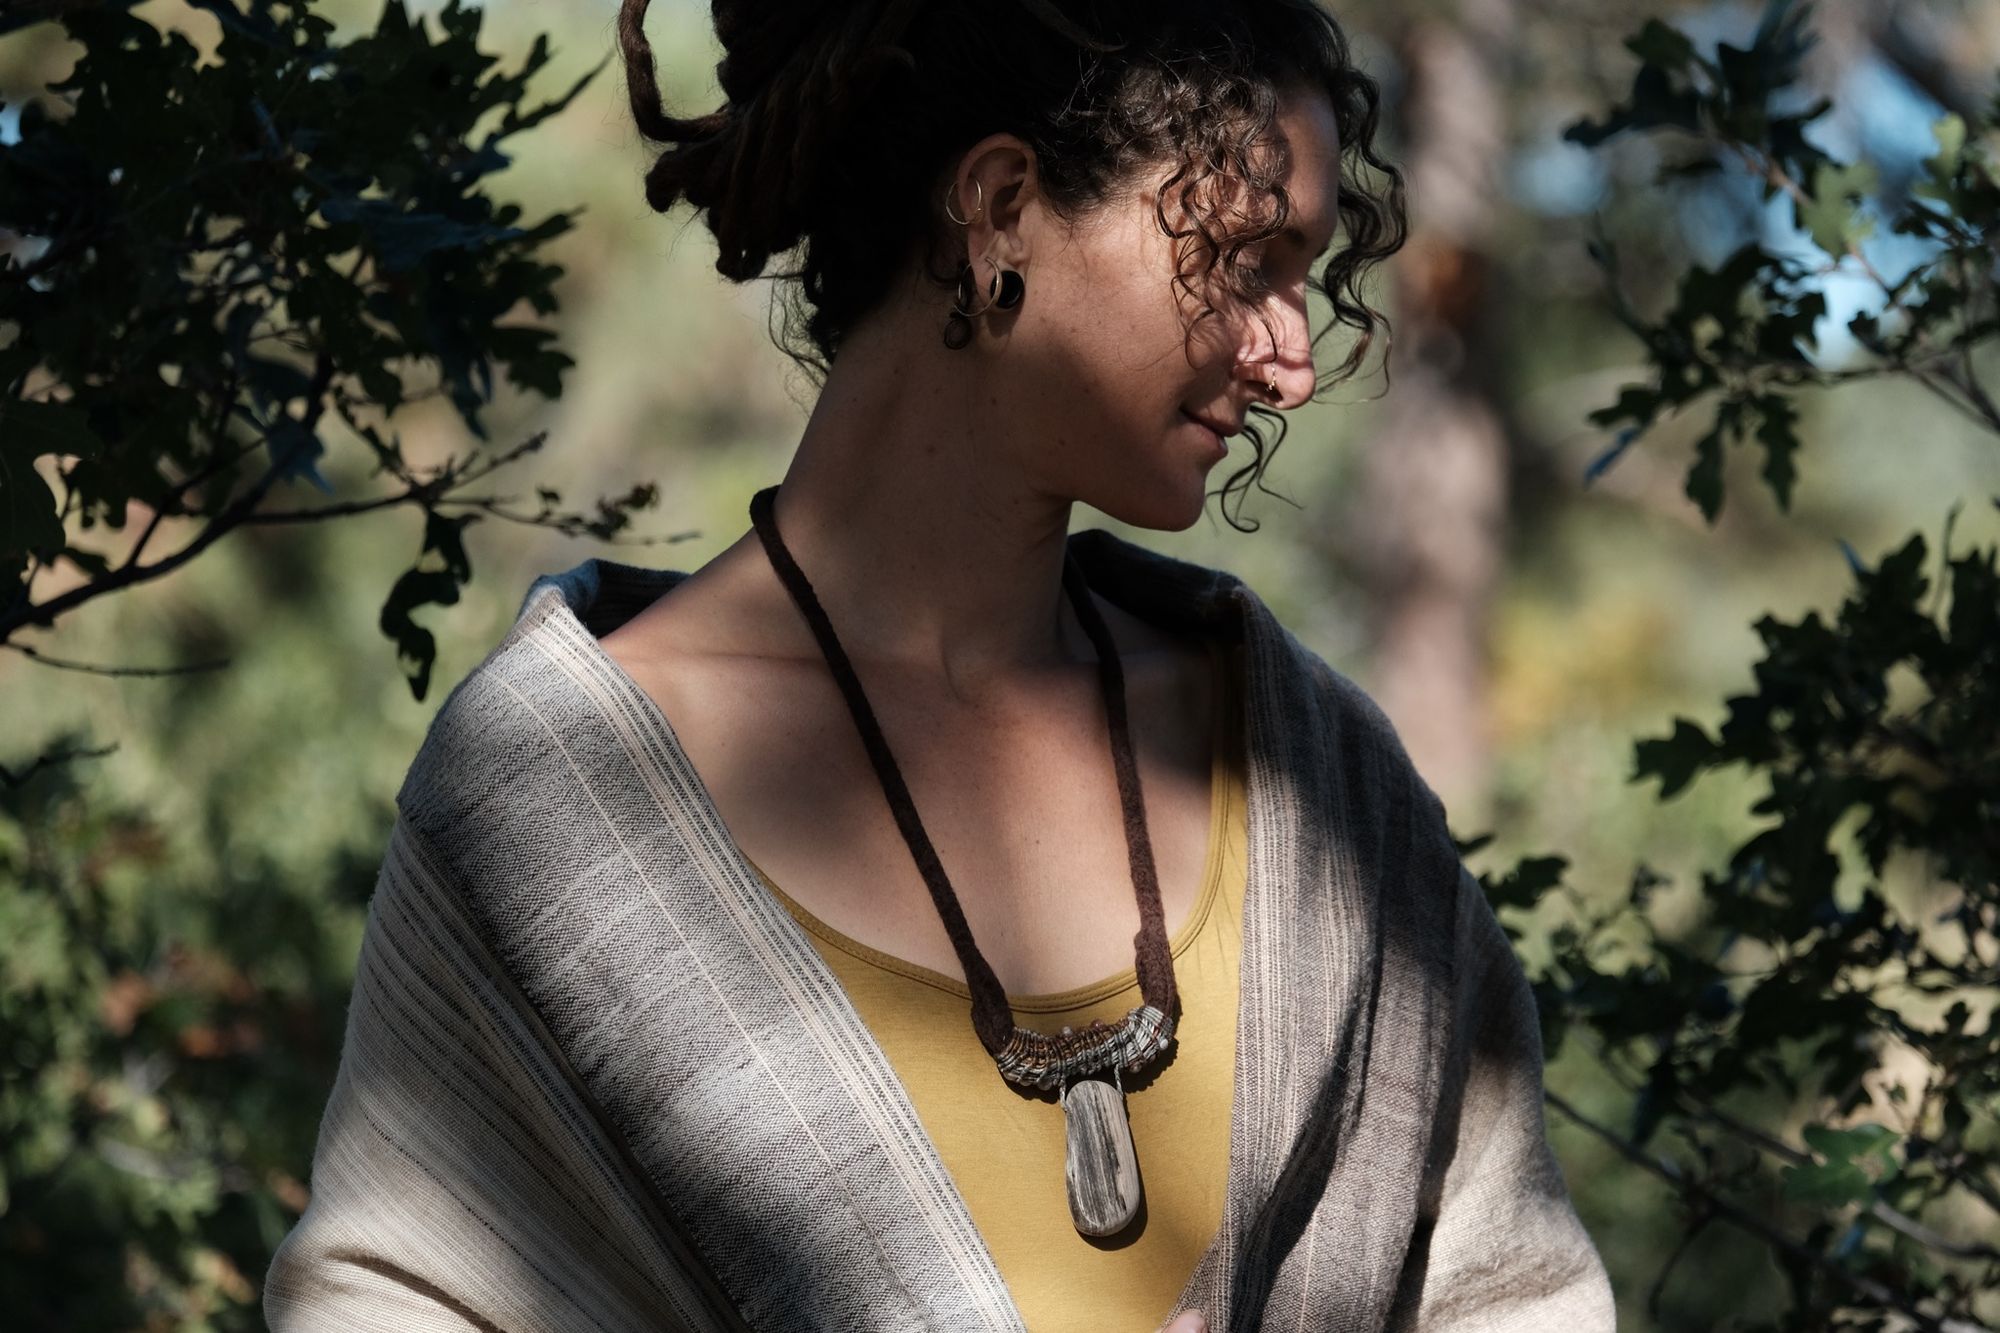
{"points": [[1003, 292], [1012, 288]]}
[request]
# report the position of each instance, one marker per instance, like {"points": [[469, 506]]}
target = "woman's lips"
{"points": [[1214, 437]]}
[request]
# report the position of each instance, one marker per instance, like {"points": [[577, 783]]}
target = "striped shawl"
{"points": [[596, 1077]]}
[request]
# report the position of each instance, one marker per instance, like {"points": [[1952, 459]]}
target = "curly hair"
{"points": [[824, 97]]}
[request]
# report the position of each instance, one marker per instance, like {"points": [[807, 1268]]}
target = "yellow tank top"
{"points": [[1005, 1148]]}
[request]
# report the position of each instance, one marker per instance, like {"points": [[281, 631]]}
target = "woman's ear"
{"points": [[1000, 177]]}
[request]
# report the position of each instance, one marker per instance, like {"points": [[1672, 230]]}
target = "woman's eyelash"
{"points": [[1251, 268]]}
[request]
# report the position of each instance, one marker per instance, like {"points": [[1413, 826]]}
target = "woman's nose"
{"points": [[1280, 363]]}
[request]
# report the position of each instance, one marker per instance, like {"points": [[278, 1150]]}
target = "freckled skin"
{"points": [[1096, 360], [929, 501]]}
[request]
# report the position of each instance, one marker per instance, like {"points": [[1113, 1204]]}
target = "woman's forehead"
{"points": [[1311, 130]]}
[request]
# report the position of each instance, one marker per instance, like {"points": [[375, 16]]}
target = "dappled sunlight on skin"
{"points": [[678, 1011], [251, 804]]}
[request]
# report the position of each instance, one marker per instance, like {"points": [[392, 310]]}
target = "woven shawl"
{"points": [[596, 1077]]}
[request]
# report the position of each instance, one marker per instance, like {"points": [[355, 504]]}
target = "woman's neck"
{"points": [[921, 528]]}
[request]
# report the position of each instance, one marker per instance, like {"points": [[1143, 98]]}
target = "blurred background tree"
{"points": [[182, 907]]}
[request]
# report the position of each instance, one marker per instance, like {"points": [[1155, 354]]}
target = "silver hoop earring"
{"points": [[967, 290], [978, 207]]}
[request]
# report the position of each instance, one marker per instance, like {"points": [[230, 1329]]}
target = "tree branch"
{"points": [[66, 664], [231, 516], [1707, 1200]]}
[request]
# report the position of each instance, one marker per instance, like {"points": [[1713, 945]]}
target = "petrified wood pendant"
{"points": [[1103, 1169]]}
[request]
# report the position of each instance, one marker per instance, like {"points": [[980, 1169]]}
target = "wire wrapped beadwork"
{"points": [[1046, 1060]]}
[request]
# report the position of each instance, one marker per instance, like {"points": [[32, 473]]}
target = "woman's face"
{"points": [[1098, 362]]}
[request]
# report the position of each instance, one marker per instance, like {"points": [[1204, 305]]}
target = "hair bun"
{"points": [[759, 39], [797, 76]]}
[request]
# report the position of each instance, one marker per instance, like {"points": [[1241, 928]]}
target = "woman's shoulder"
{"points": [[1312, 702], [1335, 750], [528, 716]]}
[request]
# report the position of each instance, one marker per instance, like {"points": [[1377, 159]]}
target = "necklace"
{"points": [[1100, 1165]]}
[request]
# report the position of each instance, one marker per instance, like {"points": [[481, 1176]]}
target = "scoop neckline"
{"points": [[1222, 731]]}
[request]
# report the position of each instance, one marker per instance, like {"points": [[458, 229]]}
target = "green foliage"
{"points": [[1818, 1044], [1729, 97], [1741, 337], [1800, 982], [237, 253], [1847, 1167], [223, 267], [164, 1052]]}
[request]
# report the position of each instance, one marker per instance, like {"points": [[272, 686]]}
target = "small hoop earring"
{"points": [[1271, 379], [978, 207], [967, 291], [1004, 292]]}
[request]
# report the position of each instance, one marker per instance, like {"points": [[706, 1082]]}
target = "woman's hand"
{"points": [[1189, 1321]]}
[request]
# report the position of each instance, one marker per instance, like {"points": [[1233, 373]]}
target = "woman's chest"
{"points": [[1021, 808]]}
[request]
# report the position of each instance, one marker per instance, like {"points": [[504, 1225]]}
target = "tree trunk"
{"points": [[1432, 515]]}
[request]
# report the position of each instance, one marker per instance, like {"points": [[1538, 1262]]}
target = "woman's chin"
{"points": [[1169, 509]]}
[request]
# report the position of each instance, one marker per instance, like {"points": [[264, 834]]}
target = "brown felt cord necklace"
{"points": [[1101, 1166]]}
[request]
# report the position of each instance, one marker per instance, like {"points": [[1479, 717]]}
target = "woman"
{"points": [[662, 1015]]}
